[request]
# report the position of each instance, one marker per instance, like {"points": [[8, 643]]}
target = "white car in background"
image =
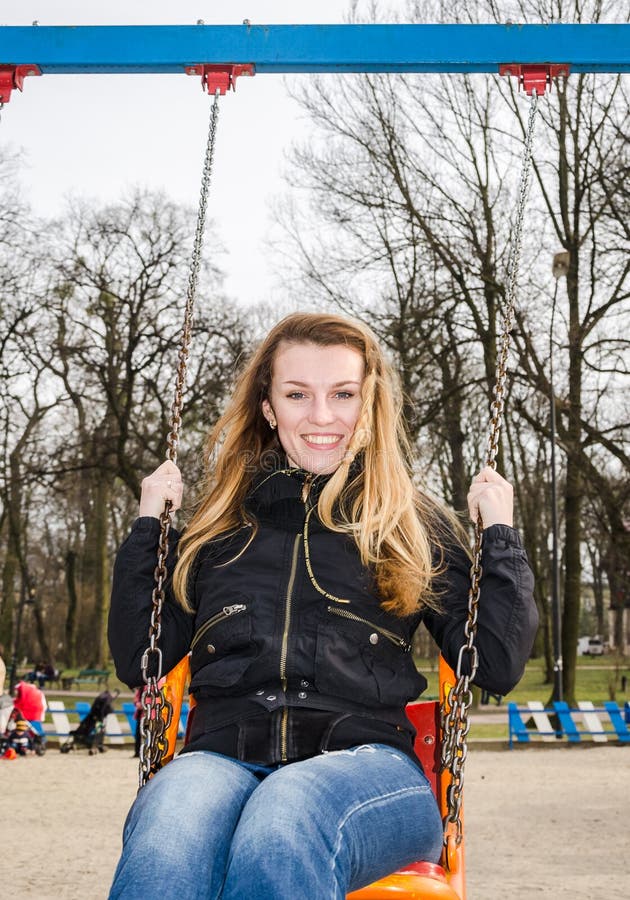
{"points": [[595, 646], [591, 646]]}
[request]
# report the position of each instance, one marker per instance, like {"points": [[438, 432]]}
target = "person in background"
{"points": [[51, 673], [37, 675], [30, 701]]}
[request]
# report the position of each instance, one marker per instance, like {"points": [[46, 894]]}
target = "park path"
{"points": [[540, 823]]}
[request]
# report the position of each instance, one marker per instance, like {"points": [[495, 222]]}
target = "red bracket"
{"points": [[220, 77], [535, 77], [13, 77]]}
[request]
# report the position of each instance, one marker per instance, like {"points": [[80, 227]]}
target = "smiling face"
{"points": [[315, 399]]}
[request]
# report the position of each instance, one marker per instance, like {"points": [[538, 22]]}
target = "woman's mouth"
{"points": [[324, 441]]}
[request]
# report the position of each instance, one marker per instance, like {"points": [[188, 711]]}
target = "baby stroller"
{"points": [[21, 737], [90, 732]]}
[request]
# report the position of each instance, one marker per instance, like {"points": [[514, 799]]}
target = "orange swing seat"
{"points": [[419, 880]]}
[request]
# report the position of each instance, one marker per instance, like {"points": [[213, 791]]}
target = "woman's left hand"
{"points": [[491, 497]]}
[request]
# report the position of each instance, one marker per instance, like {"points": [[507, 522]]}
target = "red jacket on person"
{"points": [[30, 701]]}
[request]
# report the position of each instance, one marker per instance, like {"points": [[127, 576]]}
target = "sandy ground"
{"points": [[539, 823]]}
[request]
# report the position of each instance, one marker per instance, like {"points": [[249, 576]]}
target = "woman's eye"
{"points": [[344, 395], [296, 395]]}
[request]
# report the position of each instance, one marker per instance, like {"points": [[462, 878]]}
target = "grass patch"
{"points": [[488, 732], [593, 679]]}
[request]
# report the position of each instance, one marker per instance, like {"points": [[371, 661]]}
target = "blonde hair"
{"points": [[396, 528]]}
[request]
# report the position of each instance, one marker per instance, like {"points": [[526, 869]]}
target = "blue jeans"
{"points": [[207, 826]]}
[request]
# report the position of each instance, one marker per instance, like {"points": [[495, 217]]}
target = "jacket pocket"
{"points": [[360, 660], [222, 647]]}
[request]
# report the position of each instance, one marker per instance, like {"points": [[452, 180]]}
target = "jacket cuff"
{"points": [[502, 534], [151, 526]]}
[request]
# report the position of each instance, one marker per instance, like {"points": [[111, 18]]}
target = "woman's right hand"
{"points": [[163, 484]]}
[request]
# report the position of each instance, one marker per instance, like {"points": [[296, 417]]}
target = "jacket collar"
{"points": [[277, 480]]}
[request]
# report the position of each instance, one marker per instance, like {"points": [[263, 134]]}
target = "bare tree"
{"points": [[411, 183], [100, 341], [578, 170]]}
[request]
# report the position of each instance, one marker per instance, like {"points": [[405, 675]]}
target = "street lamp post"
{"points": [[559, 270]]}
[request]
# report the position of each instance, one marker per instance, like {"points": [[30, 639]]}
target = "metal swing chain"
{"points": [[454, 714], [157, 710]]}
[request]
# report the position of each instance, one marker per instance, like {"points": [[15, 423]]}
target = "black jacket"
{"points": [[291, 651]]}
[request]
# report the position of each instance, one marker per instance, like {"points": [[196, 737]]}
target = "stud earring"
{"points": [[272, 424]]}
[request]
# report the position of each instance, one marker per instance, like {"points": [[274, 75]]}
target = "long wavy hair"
{"points": [[395, 526]]}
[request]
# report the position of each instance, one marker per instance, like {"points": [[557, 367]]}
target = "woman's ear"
{"points": [[268, 413]]}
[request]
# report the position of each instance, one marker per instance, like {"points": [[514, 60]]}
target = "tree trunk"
{"points": [[454, 434], [598, 592], [73, 607], [573, 572], [40, 629], [14, 560], [7, 610], [547, 639], [101, 573]]}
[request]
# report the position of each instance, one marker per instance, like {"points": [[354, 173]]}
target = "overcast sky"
{"points": [[95, 136]]}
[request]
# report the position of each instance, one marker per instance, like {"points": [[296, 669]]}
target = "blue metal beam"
{"points": [[315, 48]]}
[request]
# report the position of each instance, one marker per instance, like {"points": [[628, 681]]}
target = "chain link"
{"points": [[157, 711], [454, 714]]}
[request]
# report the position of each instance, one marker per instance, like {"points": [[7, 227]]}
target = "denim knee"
{"points": [[331, 824], [178, 832]]}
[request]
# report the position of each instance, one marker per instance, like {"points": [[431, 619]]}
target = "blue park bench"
{"points": [[585, 721], [57, 722]]}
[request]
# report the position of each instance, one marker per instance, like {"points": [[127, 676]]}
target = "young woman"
{"points": [[297, 586]]}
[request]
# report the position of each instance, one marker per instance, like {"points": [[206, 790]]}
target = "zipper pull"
{"points": [[306, 488], [237, 607]]}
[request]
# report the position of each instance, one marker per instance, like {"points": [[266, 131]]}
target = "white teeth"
{"points": [[321, 439]]}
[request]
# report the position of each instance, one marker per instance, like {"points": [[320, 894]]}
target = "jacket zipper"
{"points": [[285, 646], [287, 623], [225, 613], [390, 635]]}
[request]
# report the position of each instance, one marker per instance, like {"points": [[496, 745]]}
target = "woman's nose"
{"points": [[320, 412]]}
